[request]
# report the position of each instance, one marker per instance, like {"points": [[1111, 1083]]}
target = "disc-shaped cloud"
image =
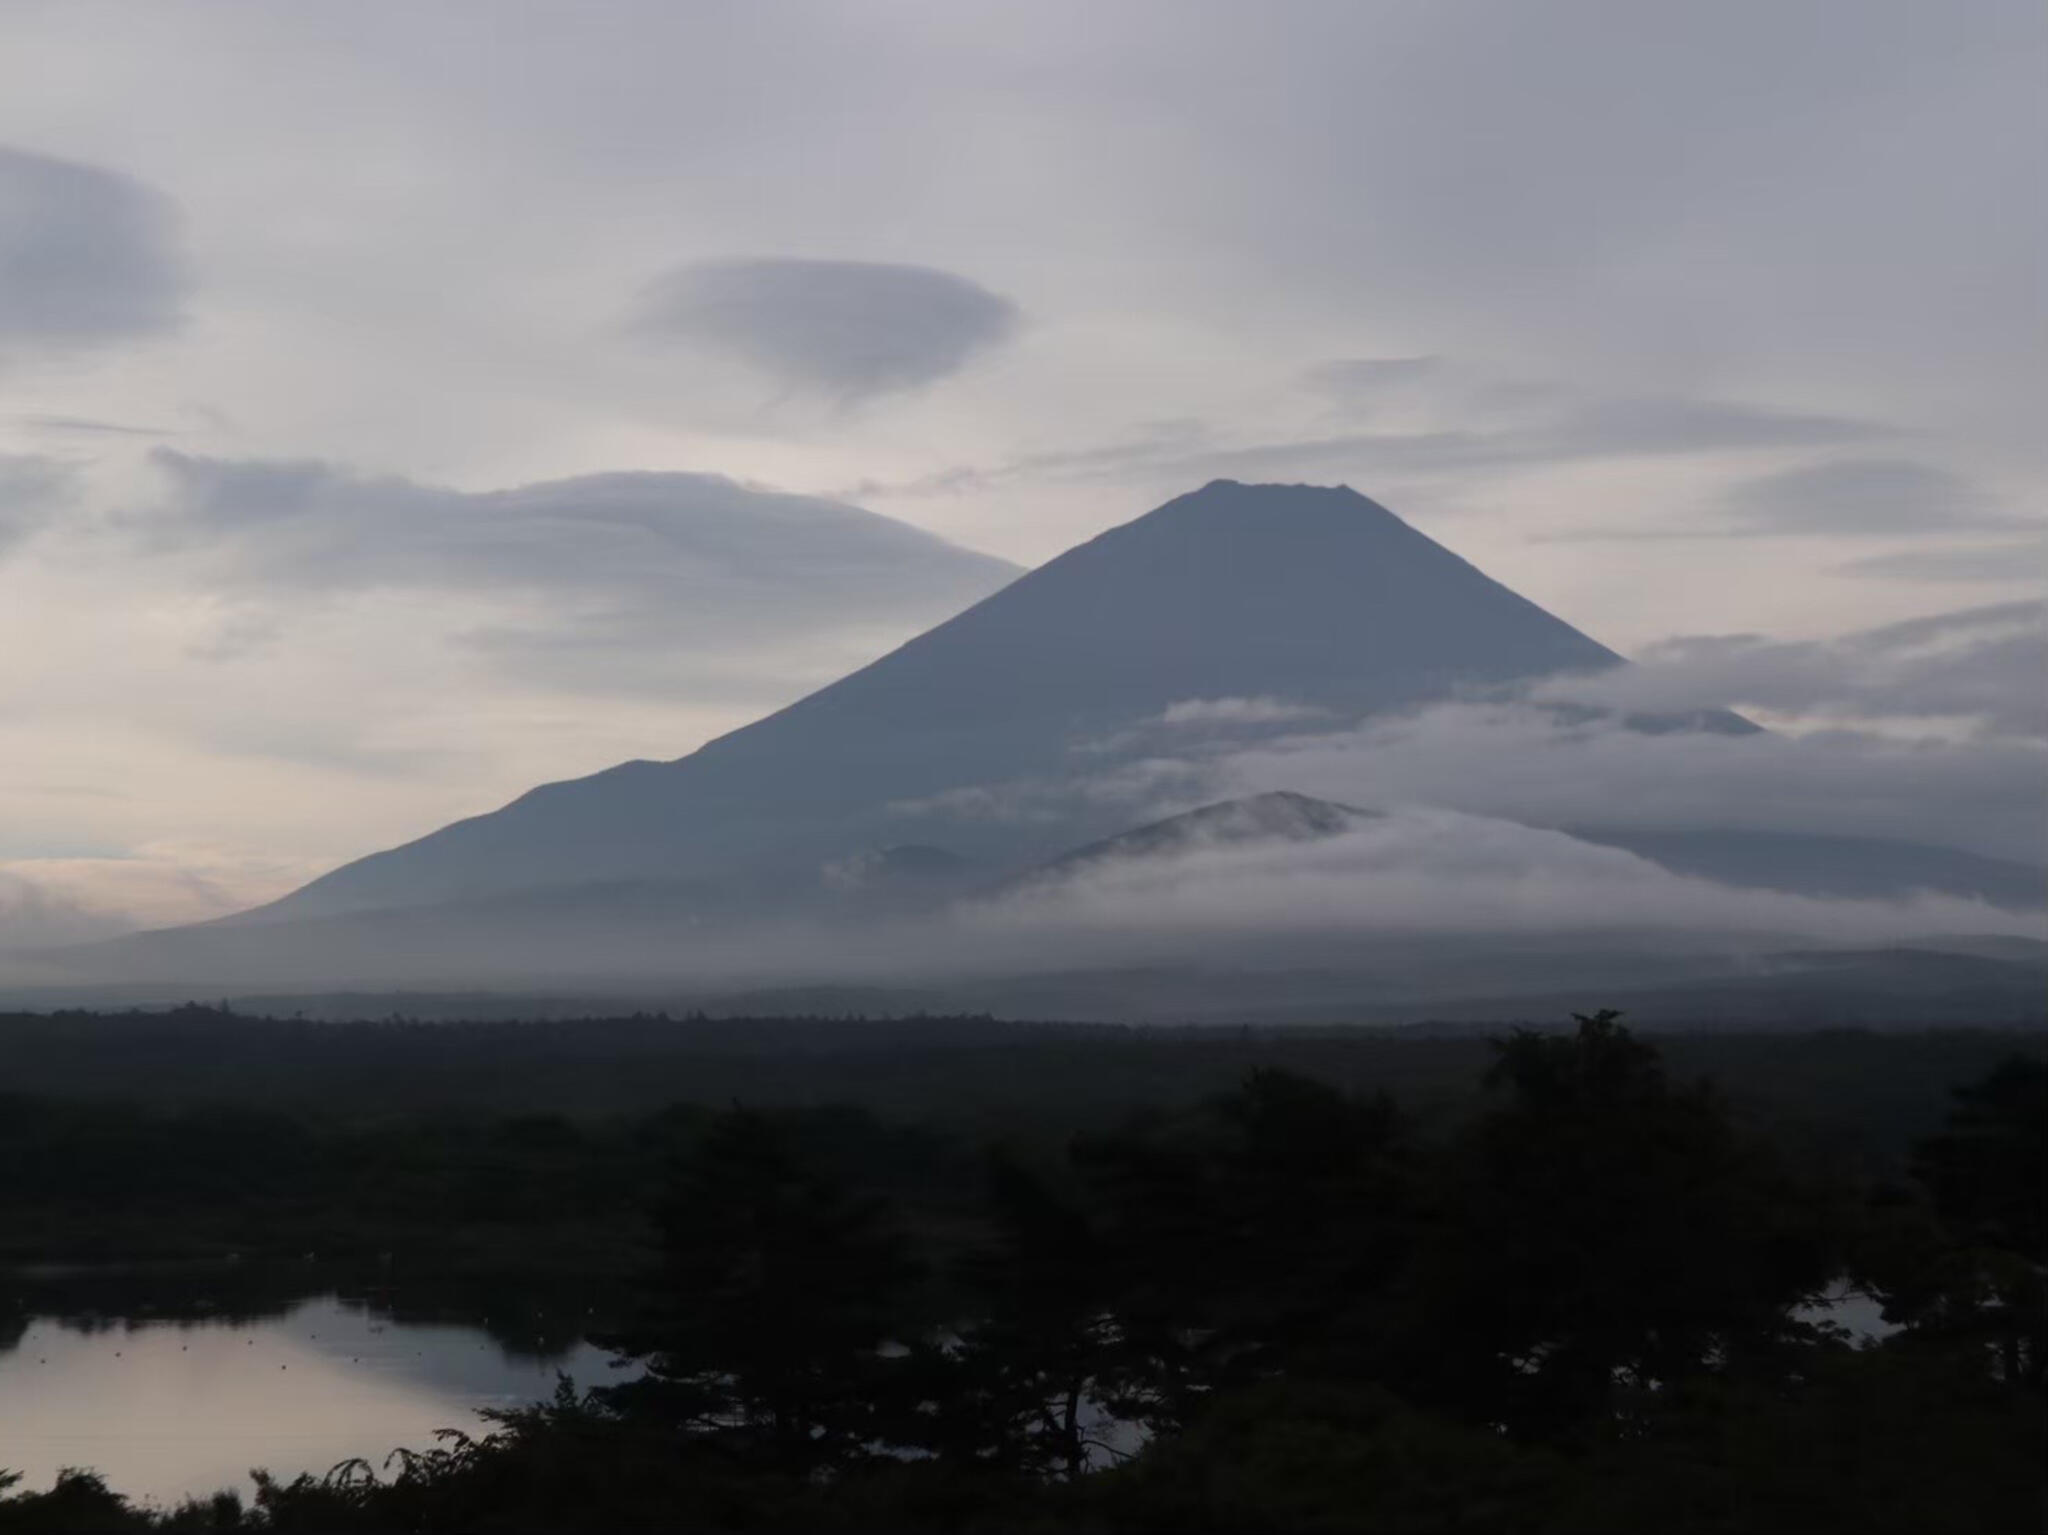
{"points": [[846, 329], [667, 582], [86, 255]]}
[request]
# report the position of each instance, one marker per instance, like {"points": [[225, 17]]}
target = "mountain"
{"points": [[1278, 817], [1316, 597], [851, 841]]}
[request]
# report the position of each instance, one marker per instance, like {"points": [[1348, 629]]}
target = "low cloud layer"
{"points": [[1197, 713], [87, 256], [1931, 731], [848, 330], [1525, 764], [1423, 871], [1982, 666]]}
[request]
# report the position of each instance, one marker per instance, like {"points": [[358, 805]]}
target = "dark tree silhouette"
{"points": [[1252, 1237], [1981, 1272], [1027, 1369], [1606, 1230], [776, 1295]]}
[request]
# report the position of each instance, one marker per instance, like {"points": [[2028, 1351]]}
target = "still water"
{"points": [[170, 1408], [180, 1405]]}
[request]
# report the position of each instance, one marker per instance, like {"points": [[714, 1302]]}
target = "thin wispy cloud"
{"points": [[1862, 497], [1191, 452], [2010, 564]]}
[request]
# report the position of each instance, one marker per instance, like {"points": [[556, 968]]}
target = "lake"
{"points": [[170, 1407], [179, 1405]]}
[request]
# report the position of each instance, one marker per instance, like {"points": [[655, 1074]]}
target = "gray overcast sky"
{"points": [[1680, 319]]}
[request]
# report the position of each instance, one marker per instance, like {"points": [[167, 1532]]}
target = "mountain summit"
{"points": [[1236, 596]]}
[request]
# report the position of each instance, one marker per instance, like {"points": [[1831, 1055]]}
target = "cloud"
{"points": [[1526, 764], [1930, 731], [313, 525], [1654, 424], [1845, 498], [1206, 712], [1357, 379], [1860, 496], [1646, 426], [33, 916], [1424, 871], [32, 489], [1149, 448], [2012, 563], [1982, 665], [48, 902], [1193, 452], [87, 256], [1975, 785], [628, 580], [84, 426], [849, 330], [1143, 787]]}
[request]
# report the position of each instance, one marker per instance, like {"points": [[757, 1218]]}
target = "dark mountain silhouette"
{"points": [[1315, 596]]}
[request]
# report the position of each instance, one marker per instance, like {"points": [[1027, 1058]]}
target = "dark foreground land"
{"points": [[953, 1274]]}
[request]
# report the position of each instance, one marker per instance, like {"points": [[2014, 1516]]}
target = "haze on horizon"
{"points": [[378, 439]]}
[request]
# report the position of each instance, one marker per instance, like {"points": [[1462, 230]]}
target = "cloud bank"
{"points": [[1982, 666], [1422, 871], [1931, 731]]}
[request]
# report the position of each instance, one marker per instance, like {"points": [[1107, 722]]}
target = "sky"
{"points": [[403, 405]]}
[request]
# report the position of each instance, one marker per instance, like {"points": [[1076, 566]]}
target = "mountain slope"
{"points": [[1312, 595]]}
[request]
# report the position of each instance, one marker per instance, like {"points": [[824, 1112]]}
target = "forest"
{"points": [[997, 1279]]}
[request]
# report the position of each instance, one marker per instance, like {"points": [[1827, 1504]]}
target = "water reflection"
{"points": [[174, 1406], [175, 1383]]}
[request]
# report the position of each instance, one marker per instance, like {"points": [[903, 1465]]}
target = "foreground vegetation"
{"points": [[1578, 1299]]}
